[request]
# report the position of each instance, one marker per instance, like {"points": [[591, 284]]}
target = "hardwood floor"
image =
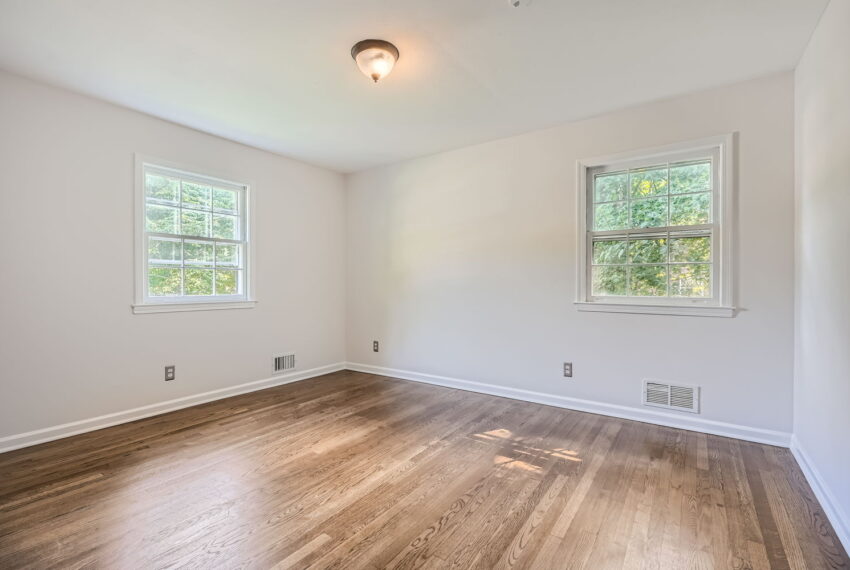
{"points": [[357, 471]]}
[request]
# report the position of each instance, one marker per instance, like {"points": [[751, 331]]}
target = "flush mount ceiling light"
{"points": [[375, 58]]}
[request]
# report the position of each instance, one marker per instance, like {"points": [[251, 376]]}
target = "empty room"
{"points": [[537, 284]]}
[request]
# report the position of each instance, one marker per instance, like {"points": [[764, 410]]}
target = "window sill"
{"points": [[681, 310], [182, 307]]}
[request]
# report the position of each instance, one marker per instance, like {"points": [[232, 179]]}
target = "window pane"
{"points": [[196, 253], [224, 227], [162, 188], [648, 280], [608, 252], [161, 219], [227, 282], [163, 281], [649, 213], [225, 200], [198, 282], [196, 195], [691, 209], [648, 251], [164, 251], [613, 216], [195, 223], [649, 182], [609, 280], [610, 187], [690, 280], [690, 249], [227, 254], [690, 178]]}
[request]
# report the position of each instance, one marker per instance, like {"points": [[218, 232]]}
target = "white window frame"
{"points": [[721, 149], [146, 304]]}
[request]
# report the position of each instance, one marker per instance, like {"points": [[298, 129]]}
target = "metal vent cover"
{"points": [[284, 362], [683, 398]]}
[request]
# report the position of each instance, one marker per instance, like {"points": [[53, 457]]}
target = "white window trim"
{"points": [[150, 305], [723, 236]]}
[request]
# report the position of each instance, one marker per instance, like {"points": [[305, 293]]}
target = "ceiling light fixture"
{"points": [[375, 58]]}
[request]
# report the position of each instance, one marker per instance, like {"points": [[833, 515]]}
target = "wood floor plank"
{"points": [[354, 470], [787, 535], [296, 557]]}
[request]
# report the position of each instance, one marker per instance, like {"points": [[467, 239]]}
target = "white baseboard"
{"points": [[759, 435], [18, 441], [836, 515]]}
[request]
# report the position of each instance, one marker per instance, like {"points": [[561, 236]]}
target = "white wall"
{"points": [[822, 384], [70, 348], [463, 264]]}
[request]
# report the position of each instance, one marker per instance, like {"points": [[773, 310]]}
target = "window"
{"points": [[655, 231], [193, 244]]}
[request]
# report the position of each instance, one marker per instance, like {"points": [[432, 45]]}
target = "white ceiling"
{"points": [[277, 74]]}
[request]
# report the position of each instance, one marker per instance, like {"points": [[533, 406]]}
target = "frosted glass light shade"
{"points": [[375, 58]]}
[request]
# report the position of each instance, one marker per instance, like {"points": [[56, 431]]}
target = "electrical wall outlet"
{"points": [[374, 346], [169, 373], [568, 369]]}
